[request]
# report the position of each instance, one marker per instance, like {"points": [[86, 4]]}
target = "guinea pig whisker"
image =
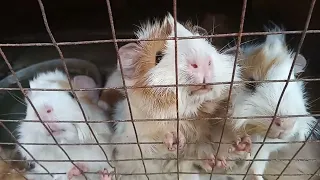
{"points": [[17, 98]]}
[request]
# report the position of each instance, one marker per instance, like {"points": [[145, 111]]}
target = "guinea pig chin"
{"points": [[202, 89]]}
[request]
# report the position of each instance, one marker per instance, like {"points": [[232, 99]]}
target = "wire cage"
{"points": [[242, 10]]}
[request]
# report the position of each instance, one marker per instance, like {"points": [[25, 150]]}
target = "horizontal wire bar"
{"points": [[202, 173], [156, 39], [168, 119], [152, 159], [152, 143], [157, 86]]}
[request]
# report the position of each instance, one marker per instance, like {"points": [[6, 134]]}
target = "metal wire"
{"points": [[124, 83], [16, 170], [244, 6], [285, 87], [70, 83], [155, 39], [176, 76], [176, 85]]}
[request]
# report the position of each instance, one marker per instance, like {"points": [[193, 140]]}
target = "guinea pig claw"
{"points": [[105, 175], [171, 140], [74, 171], [242, 144], [221, 163]]}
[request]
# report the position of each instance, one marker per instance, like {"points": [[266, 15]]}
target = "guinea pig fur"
{"points": [[271, 60], [153, 63], [58, 106]]}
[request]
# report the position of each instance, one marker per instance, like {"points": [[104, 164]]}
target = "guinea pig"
{"points": [[54, 107], [270, 60], [150, 63]]}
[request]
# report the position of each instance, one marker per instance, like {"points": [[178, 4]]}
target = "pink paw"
{"points": [[171, 140], [74, 171], [105, 175], [242, 144], [212, 162]]}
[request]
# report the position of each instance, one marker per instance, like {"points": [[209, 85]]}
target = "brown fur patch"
{"points": [[147, 60], [256, 65]]}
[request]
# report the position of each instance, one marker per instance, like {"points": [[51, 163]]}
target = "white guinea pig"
{"points": [[270, 60], [58, 106]]}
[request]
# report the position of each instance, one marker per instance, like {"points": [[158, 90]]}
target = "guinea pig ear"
{"points": [[129, 57], [300, 64], [86, 82]]}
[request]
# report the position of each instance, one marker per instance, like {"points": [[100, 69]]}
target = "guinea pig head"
{"points": [[56, 106], [271, 61], [152, 63]]}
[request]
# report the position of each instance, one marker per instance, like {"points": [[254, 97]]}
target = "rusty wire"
{"points": [[176, 76], [124, 83], [243, 13], [154, 39], [175, 38], [44, 17], [312, 4], [155, 86], [158, 159], [158, 173]]}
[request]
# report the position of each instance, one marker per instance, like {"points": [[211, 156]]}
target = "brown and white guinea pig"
{"points": [[271, 60], [150, 63], [10, 170], [56, 106]]}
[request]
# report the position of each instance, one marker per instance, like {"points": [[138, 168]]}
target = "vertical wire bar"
{"points": [[45, 20], [35, 110], [243, 13], [287, 81], [176, 76], [124, 83], [68, 76], [309, 136]]}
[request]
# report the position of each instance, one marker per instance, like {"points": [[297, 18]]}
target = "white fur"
{"points": [[164, 74], [64, 109], [263, 101]]}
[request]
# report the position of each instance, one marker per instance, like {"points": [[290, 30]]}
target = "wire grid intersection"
{"points": [[175, 38]]}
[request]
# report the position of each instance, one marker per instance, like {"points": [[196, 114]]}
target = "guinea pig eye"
{"points": [[159, 56], [71, 95], [252, 85]]}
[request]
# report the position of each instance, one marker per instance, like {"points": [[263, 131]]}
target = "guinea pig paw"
{"points": [[221, 163], [242, 144], [210, 163], [171, 141], [105, 175], [76, 171]]}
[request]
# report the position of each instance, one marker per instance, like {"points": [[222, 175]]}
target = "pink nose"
{"points": [[284, 124]]}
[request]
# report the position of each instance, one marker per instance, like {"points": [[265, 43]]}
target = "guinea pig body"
{"points": [[270, 61], [152, 63], [55, 106]]}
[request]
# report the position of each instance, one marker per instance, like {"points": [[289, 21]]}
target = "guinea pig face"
{"points": [[56, 106], [271, 61], [152, 63]]}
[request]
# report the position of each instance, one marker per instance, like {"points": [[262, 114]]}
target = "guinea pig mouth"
{"points": [[55, 132], [277, 134], [197, 90]]}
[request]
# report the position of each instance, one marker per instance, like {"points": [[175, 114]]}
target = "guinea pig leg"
{"points": [[74, 171], [171, 140], [105, 175]]}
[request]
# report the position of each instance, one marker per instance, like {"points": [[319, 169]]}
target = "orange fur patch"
{"points": [[147, 60], [257, 66]]}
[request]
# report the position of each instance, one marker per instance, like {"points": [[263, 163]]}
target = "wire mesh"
{"points": [[115, 40]]}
